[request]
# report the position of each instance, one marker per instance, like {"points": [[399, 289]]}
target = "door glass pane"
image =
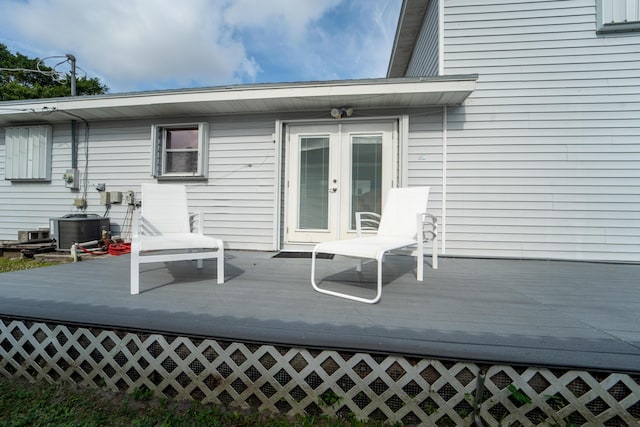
{"points": [[366, 175], [313, 209]]}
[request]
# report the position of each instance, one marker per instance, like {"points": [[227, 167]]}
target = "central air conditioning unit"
{"points": [[77, 228]]}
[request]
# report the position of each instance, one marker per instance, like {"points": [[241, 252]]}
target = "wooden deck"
{"points": [[535, 313]]}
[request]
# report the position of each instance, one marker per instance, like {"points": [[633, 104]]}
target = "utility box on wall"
{"points": [[72, 179], [77, 228]]}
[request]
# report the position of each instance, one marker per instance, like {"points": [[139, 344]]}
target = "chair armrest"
{"points": [[195, 222], [429, 227], [135, 224], [367, 221], [135, 234]]}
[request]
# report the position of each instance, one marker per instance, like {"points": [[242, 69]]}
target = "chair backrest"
{"points": [[164, 208], [400, 212]]}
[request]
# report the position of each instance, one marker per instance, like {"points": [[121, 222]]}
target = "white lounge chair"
{"points": [[162, 232], [403, 223]]}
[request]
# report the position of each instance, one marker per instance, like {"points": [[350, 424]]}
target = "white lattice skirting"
{"points": [[296, 380]]}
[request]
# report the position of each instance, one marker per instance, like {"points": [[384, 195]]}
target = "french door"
{"points": [[334, 171]]}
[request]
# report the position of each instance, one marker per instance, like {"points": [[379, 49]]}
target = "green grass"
{"points": [[7, 264], [25, 404]]}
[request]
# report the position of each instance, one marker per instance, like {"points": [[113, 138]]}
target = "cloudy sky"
{"points": [[136, 45]]}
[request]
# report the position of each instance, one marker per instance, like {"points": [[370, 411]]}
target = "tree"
{"points": [[26, 78]]}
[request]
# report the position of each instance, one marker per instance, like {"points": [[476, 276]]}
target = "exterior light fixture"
{"points": [[338, 113]]}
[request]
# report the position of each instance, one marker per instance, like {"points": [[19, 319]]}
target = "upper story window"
{"points": [[28, 153], [618, 15], [180, 151]]}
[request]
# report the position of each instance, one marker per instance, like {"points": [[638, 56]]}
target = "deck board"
{"points": [[538, 313]]}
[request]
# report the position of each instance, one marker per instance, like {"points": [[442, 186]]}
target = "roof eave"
{"points": [[243, 99]]}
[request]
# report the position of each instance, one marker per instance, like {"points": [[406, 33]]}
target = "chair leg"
{"points": [[420, 262], [135, 273], [434, 252], [342, 295], [379, 284], [220, 265], [313, 271]]}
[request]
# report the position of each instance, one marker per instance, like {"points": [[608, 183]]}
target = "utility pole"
{"points": [[73, 73]]}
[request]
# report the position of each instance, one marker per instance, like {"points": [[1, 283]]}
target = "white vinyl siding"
{"points": [[424, 62], [236, 198], [28, 153], [240, 194], [425, 155], [543, 159]]}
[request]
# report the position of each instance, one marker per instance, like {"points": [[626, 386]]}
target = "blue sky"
{"points": [[138, 45]]}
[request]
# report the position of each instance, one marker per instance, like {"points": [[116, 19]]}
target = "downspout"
{"points": [[280, 185], [443, 221], [441, 37], [74, 146]]}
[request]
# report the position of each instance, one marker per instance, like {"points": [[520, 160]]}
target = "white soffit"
{"points": [[242, 99]]}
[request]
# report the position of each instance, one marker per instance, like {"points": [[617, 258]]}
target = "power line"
{"points": [[53, 72]]}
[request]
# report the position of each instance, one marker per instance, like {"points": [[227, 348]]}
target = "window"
{"points": [[180, 150], [28, 153], [618, 15]]}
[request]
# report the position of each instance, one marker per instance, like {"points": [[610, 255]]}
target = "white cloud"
{"points": [[138, 41], [149, 44], [276, 16]]}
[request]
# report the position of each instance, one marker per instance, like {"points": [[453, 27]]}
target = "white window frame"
{"points": [[28, 153], [159, 140], [617, 16]]}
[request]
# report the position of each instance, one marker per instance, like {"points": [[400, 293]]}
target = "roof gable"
{"points": [[409, 25]]}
